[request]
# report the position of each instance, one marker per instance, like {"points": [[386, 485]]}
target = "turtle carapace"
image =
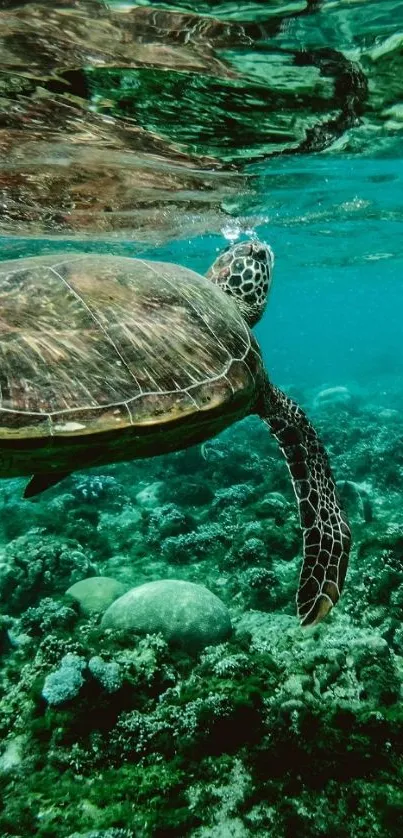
{"points": [[107, 358]]}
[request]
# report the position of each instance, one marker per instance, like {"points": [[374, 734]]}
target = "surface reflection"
{"points": [[143, 121]]}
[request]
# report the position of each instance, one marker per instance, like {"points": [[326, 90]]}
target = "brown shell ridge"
{"points": [[78, 258], [121, 343], [126, 403], [93, 410], [255, 352], [50, 416], [200, 316], [96, 321]]}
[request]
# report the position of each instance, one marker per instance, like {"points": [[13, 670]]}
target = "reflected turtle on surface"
{"points": [[107, 358]]}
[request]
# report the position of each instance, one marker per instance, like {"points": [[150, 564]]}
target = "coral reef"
{"points": [[271, 731], [95, 593], [36, 564]]}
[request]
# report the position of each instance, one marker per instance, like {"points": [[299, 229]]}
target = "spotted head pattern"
{"points": [[244, 271]]}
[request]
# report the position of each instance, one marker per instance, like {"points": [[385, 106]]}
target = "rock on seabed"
{"points": [[95, 593], [186, 614]]}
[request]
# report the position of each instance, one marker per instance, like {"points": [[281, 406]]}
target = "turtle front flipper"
{"points": [[327, 536]]}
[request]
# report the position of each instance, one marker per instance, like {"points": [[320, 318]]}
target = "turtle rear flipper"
{"points": [[40, 482], [327, 536]]}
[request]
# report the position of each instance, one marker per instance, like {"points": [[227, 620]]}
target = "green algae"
{"points": [[145, 798]]}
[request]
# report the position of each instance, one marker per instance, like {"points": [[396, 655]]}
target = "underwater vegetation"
{"points": [[214, 714]]}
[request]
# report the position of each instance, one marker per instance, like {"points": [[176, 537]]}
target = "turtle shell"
{"points": [[106, 358]]}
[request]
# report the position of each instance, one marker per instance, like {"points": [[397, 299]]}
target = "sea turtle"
{"points": [[107, 358]]}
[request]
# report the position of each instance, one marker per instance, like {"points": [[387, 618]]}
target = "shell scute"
{"points": [[93, 343]]}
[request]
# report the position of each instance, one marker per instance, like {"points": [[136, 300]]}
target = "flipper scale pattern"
{"points": [[326, 533]]}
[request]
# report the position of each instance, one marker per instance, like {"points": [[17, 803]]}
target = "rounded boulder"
{"points": [[187, 615], [96, 593]]}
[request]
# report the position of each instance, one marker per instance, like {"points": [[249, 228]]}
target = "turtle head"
{"points": [[244, 271]]}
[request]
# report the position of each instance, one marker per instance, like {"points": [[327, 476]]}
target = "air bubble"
{"points": [[231, 232]]}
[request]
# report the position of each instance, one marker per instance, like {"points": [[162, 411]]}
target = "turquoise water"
{"points": [[154, 678], [335, 225]]}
